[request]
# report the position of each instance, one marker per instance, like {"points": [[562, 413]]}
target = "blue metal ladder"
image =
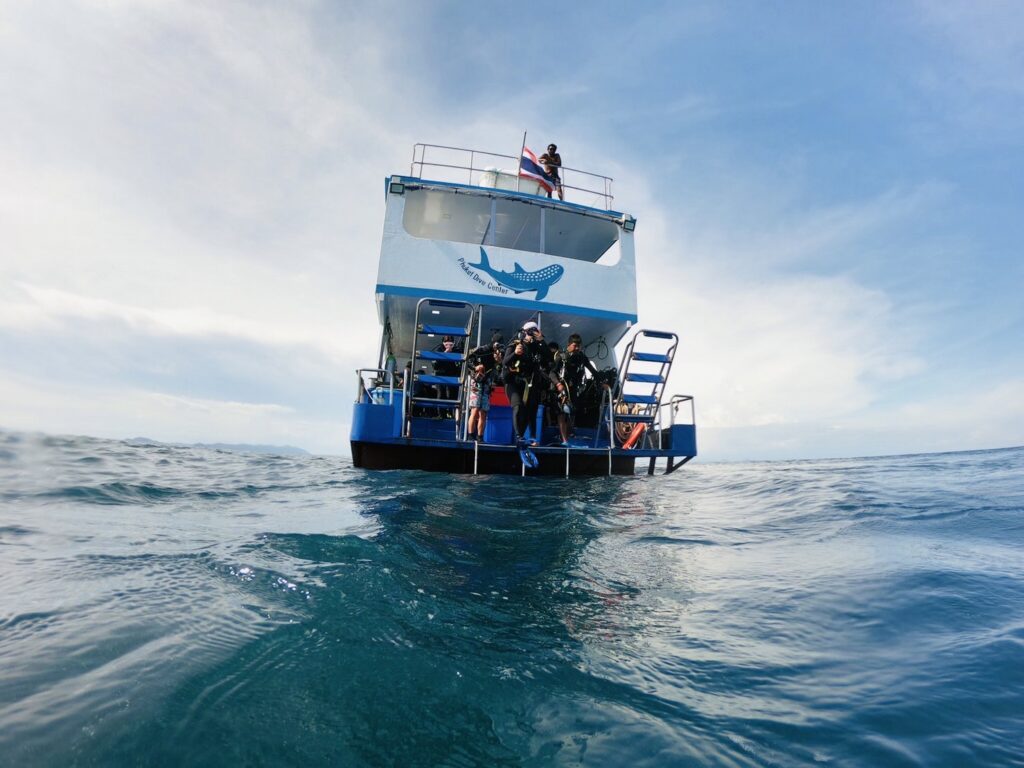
{"points": [[428, 330], [641, 381]]}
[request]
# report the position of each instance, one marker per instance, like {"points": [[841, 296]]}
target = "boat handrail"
{"points": [[601, 185], [383, 375], [672, 406]]}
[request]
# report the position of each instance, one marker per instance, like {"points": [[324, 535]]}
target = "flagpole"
{"points": [[520, 168]]}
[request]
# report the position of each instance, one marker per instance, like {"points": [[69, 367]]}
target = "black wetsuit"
{"points": [[525, 377], [571, 372], [482, 356]]}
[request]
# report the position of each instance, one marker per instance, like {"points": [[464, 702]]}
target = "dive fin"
{"points": [[528, 457]]}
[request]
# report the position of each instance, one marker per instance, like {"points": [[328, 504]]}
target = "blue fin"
{"points": [[541, 292], [484, 263], [528, 457], [519, 267]]}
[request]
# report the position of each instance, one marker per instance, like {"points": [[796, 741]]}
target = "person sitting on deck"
{"points": [[447, 368], [571, 374], [552, 161]]}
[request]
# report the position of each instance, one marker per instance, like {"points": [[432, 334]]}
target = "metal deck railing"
{"points": [[460, 164]]}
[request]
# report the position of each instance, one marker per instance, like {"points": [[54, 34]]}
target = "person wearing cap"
{"points": [[447, 368], [552, 161], [527, 364]]}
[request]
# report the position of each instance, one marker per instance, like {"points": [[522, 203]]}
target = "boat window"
{"points": [[517, 225], [573, 236], [446, 216], [462, 218]]}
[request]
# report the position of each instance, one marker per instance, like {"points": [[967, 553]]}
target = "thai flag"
{"points": [[530, 168]]}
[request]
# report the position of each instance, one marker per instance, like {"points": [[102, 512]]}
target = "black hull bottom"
{"points": [[500, 461]]}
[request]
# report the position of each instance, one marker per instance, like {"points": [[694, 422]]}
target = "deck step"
{"points": [[447, 381], [645, 399], [644, 378], [433, 402], [452, 357], [635, 418], [650, 357], [444, 330]]}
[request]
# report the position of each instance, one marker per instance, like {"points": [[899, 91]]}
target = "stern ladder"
{"points": [[460, 333], [640, 386]]}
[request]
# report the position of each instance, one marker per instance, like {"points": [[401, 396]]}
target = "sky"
{"points": [[829, 205]]}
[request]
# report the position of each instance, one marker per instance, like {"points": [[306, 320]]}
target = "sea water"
{"points": [[164, 606]]}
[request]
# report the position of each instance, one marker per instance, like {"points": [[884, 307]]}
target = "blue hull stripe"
{"points": [[501, 301]]}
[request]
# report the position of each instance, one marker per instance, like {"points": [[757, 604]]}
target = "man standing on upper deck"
{"points": [[552, 162]]}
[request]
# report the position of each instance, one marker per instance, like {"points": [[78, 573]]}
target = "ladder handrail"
{"points": [[407, 400], [652, 409]]}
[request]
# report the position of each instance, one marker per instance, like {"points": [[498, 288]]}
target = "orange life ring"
{"points": [[634, 435]]}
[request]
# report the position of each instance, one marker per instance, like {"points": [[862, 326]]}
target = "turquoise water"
{"points": [[167, 606]]}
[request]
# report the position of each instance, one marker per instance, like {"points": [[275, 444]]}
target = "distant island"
{"points": [[278, 450]]}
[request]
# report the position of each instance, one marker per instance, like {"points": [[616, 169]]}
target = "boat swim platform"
{"points": [[480, 458]]}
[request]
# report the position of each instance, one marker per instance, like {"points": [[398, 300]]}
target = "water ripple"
{"points": [[185, 605]]}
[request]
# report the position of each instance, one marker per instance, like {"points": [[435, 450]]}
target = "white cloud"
{"points": [[50, 308], [213, 175], [991, 417], [208, 174], [29, 403], [986, 38], [765, 346], [225, 408], [975, 86]]}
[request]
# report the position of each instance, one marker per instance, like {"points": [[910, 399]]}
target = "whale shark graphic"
{"points": [[520, 280]]}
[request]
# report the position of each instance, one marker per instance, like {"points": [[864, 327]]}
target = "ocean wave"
{"points": [[163, 604]]}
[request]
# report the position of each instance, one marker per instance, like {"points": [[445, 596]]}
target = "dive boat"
{"points": [[473, 252]]}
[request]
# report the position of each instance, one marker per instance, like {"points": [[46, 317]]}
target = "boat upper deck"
{"points": [[490, 240], [473, 167]]}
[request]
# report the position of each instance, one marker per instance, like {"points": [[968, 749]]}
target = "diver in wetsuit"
{"points": [[484, 355], [570, 373], [527, 366]]}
